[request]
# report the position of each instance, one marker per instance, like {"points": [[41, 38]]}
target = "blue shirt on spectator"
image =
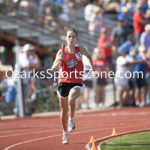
{"points": [[58, 1], [120, 13], [126, 46], [140, 67]]}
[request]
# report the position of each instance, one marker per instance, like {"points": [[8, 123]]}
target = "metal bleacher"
{"points": [[50, 38]]}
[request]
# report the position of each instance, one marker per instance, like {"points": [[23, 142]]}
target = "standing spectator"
{"points": [[128, 45], [83, 100], [119, 34], [148, 3], [105, 46], [121, 81], [143, 5], [148, 78], [145, 37], [140, 81], [131, 58], [96, 21], [100, 65], [147, 15], [139, 22], [28, 61]]}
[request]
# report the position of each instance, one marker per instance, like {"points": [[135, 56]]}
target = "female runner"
{"points": [[71, 84]]}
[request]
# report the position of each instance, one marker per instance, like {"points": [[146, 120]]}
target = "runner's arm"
{"points": [[84, 52], [57, 61]]}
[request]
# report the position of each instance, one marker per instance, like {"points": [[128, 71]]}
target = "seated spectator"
{"points": [[68, 14], [120, 12], [145, 37], [96, 21], [47, 17], [131, 5], [88, 10]]}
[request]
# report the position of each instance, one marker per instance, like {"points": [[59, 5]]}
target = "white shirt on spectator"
{"points": [[121, 69], [88, 11], [87, 69]]}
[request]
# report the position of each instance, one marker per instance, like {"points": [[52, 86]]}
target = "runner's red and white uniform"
{"points": [[72, 67]]}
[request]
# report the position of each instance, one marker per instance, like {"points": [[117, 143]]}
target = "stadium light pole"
{"points": [[19, 82]]}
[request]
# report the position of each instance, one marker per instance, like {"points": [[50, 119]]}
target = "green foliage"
{"points": [[138, 141], [46, 100]]}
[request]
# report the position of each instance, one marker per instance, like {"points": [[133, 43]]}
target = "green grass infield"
{"points": [[137, 141]]}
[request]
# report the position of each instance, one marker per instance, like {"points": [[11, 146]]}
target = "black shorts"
{"points": [[64, 88], [140, 83], [101, 81], [88, 83]]}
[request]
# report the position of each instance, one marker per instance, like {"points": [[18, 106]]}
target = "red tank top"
{"points": [[72, 67]]}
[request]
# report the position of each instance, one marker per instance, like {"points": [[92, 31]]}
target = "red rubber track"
{"points": [[45, 133]]}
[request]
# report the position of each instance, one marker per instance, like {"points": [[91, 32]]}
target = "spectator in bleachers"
{"points": [[105, 46], [68, 14], [100, 65], [58, 1], [131, 5], [147, 15], [127, 19], [139, 22], [148, 2], [127, 45], [148, 77], [145, 37], [47, 17], [88, 10], [143, 5], [96, 21], [120, 12], [119, 34], [140, 81]]}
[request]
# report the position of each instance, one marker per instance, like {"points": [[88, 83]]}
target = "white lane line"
{"points": [[11, 146], [81, 128], [29, 133], [103, 114], [79, 132]]}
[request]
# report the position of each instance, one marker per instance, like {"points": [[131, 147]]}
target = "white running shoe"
{"points": [[71, 126], [65, 139]]}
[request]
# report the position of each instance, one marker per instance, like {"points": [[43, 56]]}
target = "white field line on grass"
{"points": [[42, 138]]}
